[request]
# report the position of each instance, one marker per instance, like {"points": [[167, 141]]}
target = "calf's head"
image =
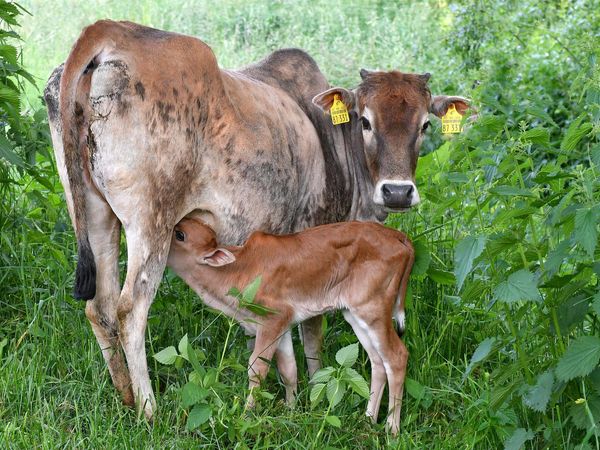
{"points": [[194, 242], [394, 109]]}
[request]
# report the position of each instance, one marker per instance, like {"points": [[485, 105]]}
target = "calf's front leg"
{"points": [[268, 336]]}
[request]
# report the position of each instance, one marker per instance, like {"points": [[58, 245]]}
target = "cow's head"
{"points": [[394, 109]]}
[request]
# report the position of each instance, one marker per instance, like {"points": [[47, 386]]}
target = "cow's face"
{"points": [[394, 109]]}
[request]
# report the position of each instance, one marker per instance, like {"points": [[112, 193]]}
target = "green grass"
{"points": [[55, 391]]}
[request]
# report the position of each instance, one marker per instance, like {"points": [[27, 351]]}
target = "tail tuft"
{"points": [[400, 322], [85, 275]]}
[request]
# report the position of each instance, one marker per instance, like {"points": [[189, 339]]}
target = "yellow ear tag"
{"points": [[451, 121], [338, 111]]}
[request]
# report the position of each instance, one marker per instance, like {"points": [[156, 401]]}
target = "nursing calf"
{"points": [[359, 268]]}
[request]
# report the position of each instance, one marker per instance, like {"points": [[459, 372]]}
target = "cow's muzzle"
{"points": [[396, 194]]}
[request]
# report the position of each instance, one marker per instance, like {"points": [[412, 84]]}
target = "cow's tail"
{"points": [[399, 313], [83, 57]]}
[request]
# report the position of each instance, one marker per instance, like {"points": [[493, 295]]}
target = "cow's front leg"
{"points": [[312, 337], [286, 365], [147, 254]]}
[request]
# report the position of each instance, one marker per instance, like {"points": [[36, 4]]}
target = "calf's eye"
{"points": [[179, 235], [365, 123], [425, 126]]}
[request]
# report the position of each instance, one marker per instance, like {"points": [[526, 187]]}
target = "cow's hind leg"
{"points": [[104, 234], [311, 331], [286, 364], [147, 251]]}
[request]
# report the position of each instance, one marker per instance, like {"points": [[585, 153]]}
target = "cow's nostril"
{"points": [[409, 191], [386, 191]]}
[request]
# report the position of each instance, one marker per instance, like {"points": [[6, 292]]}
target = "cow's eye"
{"points": [[179, 235], [365, 123], [425, 126]]}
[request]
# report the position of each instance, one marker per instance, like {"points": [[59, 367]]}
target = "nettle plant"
{"points": [[334, 383], [201, 395], [516, 200]]}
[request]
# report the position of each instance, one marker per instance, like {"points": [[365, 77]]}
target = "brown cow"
{"points": [[360, 268], [147, 130]]}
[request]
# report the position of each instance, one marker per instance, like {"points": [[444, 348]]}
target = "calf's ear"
{"points": [[324, 100], [441, 103], [217, 257]]}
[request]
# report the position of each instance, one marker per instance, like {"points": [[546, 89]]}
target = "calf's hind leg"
{"points": [[378, 376], [394, 356]]}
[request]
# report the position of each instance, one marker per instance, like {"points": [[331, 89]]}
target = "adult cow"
{"points": [[147, 130]]}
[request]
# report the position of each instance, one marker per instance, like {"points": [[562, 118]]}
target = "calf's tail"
{"points": [[399, 313]]}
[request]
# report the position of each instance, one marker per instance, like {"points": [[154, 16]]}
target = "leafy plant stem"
{"points": [[517, 344], [231, 325], [561, 344], [322, 427]]}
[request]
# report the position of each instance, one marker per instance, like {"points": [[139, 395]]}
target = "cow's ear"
{"points": [[217, 257], [441, 103], [324, 100]]}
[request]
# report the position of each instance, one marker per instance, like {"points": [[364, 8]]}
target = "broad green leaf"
{"points": [[556, 256], [586, 229], [356, 382], [441, 276], [266, 395], [517, 440], [511, 191], [317, 393], [333, 421], [335, 391], [580, 416], [422, 259], [491, 123], [481, 352], [415, 389], [183, 347], [595, 379], [576, 132], [537, 136], [520, 285], [166, 356], [537, 396], [540, 113], [191, 394], [8, 153], [580, 358], [464, 254], [322, 375], [457, 177], [198, 415], [572, 311], [596, 303], [250, 291], [193, 358], [347, 356], [595, 155]]}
